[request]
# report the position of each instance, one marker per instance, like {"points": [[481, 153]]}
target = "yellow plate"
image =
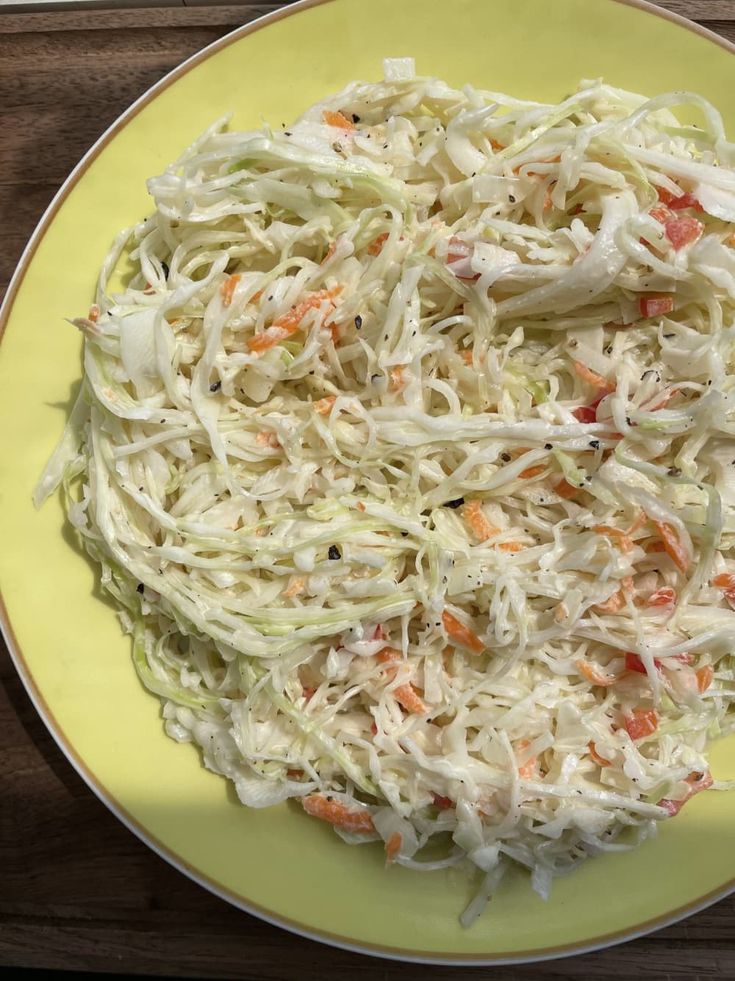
{"points": [[64, 637]]}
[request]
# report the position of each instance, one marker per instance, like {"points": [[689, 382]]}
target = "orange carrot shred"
{"points": [[599, 760], [409, 699], [337, 813], [532, 471], [672, 545], [592, 378], [475, 517], [227, 289], [460, 634], [393, 847], [621, 538], [526, 770], [642, 722], [406, 695], [613, 604], [376, 246], [704, 677], [594, 673], [337, 119], [322, 406], [566, 490], [290, 322], [295, 586], [397, 380]]}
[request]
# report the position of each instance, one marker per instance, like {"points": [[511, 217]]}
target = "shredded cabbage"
{"points": [[407, 453]]}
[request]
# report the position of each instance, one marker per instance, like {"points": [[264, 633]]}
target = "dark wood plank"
{"points": [[77, 890]]}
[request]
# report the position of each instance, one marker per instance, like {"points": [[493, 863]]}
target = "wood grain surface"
{"points": [[77, 890]]}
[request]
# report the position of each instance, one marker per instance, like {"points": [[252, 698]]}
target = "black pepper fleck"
{"points": [[456, 503], [140, 587], [166, 270], [548, 446], [505, 457], [215, 386], [358, 322], [334, 552], [674, 472], [355, 118], [595, 444], [511, 198]]}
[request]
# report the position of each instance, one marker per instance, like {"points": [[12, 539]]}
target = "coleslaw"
{"points": [[406, 451]]}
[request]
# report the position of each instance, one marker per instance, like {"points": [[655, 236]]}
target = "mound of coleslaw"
{"points": [[407, 453]]}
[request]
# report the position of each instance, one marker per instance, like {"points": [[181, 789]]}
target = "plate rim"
{"points": [[449, 958]]}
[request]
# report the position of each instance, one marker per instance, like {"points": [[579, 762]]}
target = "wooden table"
{"points": [[77, 890]]}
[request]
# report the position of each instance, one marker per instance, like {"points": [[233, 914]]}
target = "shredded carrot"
{"points": [[360, 506], [599, 760], [330, 252], [393, 847], [510, 547], [294, 773], [406, 695], [322, 406], [526, 770], [467, 356], [473, 514], [532, 471], [256, 297], [704, 677], [566, 490], [672, 545], [665, 596], [388, 655], [290, 322], [724, 580], [295, 586], [337, 813], [376, 246], [497, 147], [337, 119], [613, 604], [460, 634], [621, 538], [266, 437], [641, 722], [696, 783], [94, 313], [397, 380], [592, 378], [227, 289], [409, 699], [594, 673]]}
